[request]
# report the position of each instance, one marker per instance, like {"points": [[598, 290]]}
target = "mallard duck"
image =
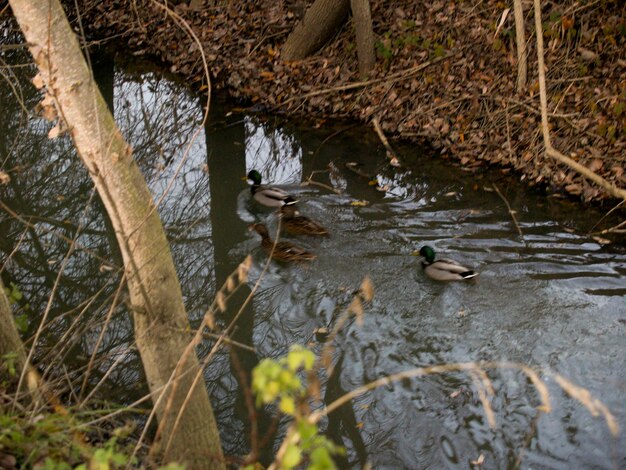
{"points": [[266, 195], [444, 269], [296, 223], [283, 251]]}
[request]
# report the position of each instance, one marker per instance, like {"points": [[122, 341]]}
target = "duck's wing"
{"points": [[303, 225], [290, 250], [273, 196], [449, 270], [273, 193], [450, 265]]}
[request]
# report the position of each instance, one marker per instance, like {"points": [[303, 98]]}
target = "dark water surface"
{"points": [[554, 300]]}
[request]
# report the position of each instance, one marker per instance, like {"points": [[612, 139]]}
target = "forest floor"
{"points": [[445, 75]]}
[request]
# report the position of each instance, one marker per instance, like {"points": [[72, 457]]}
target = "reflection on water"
{"points": [[554, 299]]}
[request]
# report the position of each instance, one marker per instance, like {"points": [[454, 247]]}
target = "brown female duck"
{"points": [[281, 251], [298, 224]]}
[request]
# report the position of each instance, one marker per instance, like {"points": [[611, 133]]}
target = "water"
{"points": [[553, 300]]}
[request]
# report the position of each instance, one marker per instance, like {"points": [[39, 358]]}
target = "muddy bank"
{"points": [[445, 74]]}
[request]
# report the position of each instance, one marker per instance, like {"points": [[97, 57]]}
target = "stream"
{"points": [[553, 299]]}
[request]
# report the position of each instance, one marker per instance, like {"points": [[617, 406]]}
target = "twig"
{"points": [[391, 155], [616, 229], [606, 215], [351, 86], [511, 211]]}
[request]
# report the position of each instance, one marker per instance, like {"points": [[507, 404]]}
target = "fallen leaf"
{"points": [[4, 177], [595, 165], [574, 189]]}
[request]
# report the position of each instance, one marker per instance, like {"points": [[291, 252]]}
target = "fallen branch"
{"points": [[391, 155], [352, 86], [545, 126], [511, 211]]}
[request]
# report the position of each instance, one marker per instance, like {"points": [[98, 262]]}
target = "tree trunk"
{"points": [[364, 30], [520, 41], [320, 23], [161, 324]]}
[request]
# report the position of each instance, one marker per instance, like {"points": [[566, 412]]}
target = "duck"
{"points": [[281, 251], [444, 269], [296, 223], [266, 195]]}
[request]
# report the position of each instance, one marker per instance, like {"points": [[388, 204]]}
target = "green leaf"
{"points": [[321, 459], [287, 405], [306, 430], [292, 457], [21, 321], [300, 357]]}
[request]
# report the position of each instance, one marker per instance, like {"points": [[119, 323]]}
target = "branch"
{"points": [[545, 127]]}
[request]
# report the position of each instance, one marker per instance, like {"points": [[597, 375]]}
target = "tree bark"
{"points": [[362, 17], [161, 324], [320, 23], [520, 41]]}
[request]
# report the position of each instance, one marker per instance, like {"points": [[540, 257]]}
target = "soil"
{"points": [[445, 74]]}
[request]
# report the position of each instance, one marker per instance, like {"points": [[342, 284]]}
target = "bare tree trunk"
{"points": [[545, 125], [520, 40], [161, 324], [320, 23], [362, 17]]}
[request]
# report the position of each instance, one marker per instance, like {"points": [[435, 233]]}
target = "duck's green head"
{"points": [[428, 253], [255, 177]]}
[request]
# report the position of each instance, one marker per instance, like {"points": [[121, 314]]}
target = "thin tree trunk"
{"points": [[362, 17], [160, 320], [609, 187], [520, 40], [320, 23]]}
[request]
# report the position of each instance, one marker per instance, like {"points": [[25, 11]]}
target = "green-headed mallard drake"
{"points": [[283, 251], [296, 223], [266, 195], [444, 269]]}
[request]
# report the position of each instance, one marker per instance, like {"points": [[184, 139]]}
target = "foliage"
{"points": [[51, 441], [279, 381], [15, 296]]}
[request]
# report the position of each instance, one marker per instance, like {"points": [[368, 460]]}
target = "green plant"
{"points": [[51, 441], [14, 295], [279, 381]]}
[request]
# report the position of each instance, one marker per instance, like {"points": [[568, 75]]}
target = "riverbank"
{"points": [[445, 75]]}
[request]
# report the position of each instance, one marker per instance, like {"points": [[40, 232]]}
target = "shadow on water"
{"points": [[554, 300]]}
